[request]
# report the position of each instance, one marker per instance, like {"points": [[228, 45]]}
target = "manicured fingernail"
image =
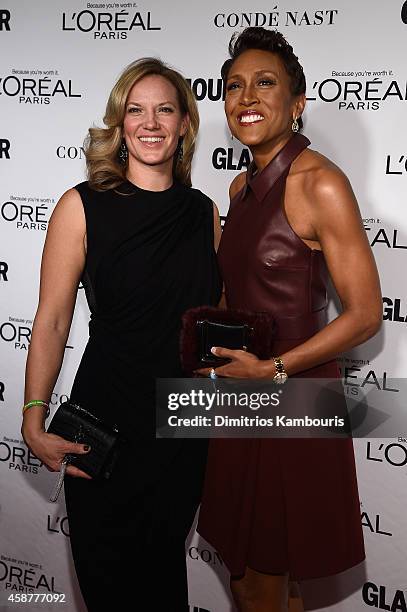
{"points": [[86, 447], [213, 350]]}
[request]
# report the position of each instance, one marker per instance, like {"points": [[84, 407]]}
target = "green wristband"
{"points": [[36, 403]]}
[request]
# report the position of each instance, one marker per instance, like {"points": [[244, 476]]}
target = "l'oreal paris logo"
{"points": [[105, 25]]}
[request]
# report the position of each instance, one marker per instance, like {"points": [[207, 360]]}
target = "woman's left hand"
{"points": [[242, 365]]}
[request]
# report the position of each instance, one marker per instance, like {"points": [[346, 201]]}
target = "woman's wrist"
{"points": [[33, 422], [270, 367], [32, 403], [267, 368], [31, 433]]}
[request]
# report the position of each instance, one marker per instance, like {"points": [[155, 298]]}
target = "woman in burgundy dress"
{"points": [[282, 510]]}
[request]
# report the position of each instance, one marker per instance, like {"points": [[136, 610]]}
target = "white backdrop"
{"points": [[58, 62]]}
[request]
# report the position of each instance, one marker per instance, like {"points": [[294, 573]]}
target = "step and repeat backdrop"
{"points": [[58, 62]]}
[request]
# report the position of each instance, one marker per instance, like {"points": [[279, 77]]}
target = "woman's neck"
{"points": [[151, 178], [264, 153]]}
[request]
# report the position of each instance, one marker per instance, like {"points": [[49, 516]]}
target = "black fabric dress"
{"points": [[150, 257]]}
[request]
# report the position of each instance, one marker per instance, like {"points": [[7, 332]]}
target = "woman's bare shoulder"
{"points": [[317, 174], [68, 215], [237, 184]]}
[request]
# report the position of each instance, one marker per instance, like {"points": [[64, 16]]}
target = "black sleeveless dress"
{"points": [[150, 257]]}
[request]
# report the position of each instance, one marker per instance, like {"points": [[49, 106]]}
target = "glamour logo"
{"points": [[395, 166], [4, 20], [393, 311], [373, 524], [212, 557], [70, 152], [23, 576], [388, 238], [395, 453], [57, 524], [107, 26], [359, 95], [222, 159], [4, 148], [2, 390], [36, 90], [18, 457], [3, 271], [29, 213], [210, 89], [276, 18], [379, 596], [19, 335]]}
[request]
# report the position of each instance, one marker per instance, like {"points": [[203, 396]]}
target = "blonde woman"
{"points": [[142, 241]]}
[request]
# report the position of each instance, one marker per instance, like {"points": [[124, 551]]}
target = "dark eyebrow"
{"points": [[257, 73], [159, 104]]}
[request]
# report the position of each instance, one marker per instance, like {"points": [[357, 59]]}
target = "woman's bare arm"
{"points": [[217, 230], [61, 268], [339, 230]]}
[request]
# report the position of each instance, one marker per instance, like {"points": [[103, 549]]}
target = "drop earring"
{"points": [[123, 152], [295, 126], [180, 149]]}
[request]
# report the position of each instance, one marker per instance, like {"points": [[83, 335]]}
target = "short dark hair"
{"points": [[274, 42]]}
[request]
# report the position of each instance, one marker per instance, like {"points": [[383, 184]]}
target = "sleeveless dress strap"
{"points": [[263, 181]]}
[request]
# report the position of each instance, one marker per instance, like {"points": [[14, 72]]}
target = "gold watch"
{"points": [[280, 375]]}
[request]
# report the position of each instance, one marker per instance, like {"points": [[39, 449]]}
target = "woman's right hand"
{"points": [[51, 449]]}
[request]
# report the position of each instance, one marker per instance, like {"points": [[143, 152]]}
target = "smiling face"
{"points": [[259, 104], [153, 122]]}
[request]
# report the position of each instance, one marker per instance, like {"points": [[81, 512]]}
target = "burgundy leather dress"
{"points": [[279, 505]]}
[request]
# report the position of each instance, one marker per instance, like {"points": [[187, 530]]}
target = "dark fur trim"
{"points": [[260, 342]]}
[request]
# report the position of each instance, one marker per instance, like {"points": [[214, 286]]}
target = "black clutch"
{"points": [[74, 423], [212, 333], [206, 326]]}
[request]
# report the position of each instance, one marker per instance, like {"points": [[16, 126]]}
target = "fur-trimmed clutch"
{"points": [[206, 326]]}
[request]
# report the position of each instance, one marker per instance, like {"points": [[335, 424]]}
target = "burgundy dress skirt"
{"points": [[279, 505]]}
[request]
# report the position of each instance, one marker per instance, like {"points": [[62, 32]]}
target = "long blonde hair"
{"points": [[104, 169]]}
